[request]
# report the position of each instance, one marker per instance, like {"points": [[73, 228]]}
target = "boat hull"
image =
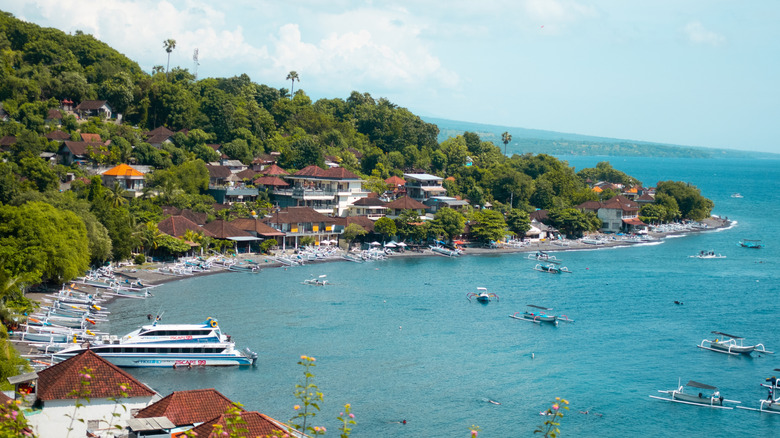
{"points": [[162, 360], [697, 399]]}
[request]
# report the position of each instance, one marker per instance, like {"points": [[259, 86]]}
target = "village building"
{"points": [[421, 186], [370, 207], [395, 208], [55, 394], [129, 178], [299, 222], [93, 108], [329, 191]]}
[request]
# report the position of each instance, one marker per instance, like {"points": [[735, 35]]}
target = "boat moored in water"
{"points": [[707, 396], [771, 404], [731, 344], [551, 269], [319, 281], [540, 314], [167, 345], [748, 243], [708, 255], [543, 257], [481, 295]]}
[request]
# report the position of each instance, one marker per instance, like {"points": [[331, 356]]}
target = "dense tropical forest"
{"points": [[51, 236]]}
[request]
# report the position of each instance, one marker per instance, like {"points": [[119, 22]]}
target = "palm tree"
{"points": [[506, 138], [116, 195], [293, 76], [151, 237], [169, 45]]}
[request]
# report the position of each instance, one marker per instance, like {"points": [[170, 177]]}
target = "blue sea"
{"points": [[399, 340]]}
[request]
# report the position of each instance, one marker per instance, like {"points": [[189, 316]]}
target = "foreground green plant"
{"points": [[550, 427], [12, 421], [81, 393], [310, 397]]}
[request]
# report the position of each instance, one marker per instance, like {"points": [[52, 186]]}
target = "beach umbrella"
{"points": [[401, 244], [390, 244], [375, 243]]}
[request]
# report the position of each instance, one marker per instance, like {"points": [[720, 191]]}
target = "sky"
{"points": [[694, 72]]}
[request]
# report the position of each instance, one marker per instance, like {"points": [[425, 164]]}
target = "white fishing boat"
{"points": [[702, 395], [166, 346], [540, 314], [708, 255], [319, 281], [771, 404], [551, 269], [482, 295], [737, 195], [731, 344], [440, 250], [543, 257]]}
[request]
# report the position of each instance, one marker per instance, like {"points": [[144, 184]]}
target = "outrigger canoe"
{"points": [[708, 396]]}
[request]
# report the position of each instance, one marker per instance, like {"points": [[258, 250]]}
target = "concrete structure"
{"points": [[421, 186]]}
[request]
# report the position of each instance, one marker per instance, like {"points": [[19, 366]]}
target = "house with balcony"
{"points": [[370, 207], [617, 214], [329, 191], [421, 186], [93, 108], [129, 178], [395, 208], [438, 202], [299, 222]]}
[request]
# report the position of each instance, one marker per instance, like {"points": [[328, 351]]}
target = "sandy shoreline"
{"points": [[150, 275]]}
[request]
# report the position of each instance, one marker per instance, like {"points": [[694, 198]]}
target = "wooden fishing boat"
{"points": [[748, 243], [703, 395], [771, 404], [551, 269], [543, 257], [540, 314], [731, 344]]}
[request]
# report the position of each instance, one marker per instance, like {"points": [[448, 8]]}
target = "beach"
{"points": [[149, 274]]}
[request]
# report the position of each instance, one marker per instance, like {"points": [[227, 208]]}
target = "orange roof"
{"points": [[395, 181], [90, 137], [188, 407], [122, 170], [597, 189]]}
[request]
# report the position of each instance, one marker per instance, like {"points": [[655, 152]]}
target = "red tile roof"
{"points": [[340, 173], [255, 425], [395, 181], [369, 202], [188, 407], [246, 174], [406, 203], [58, 381], [298, 215], [53, 114], [83, 148], [310, 171], [224, 229], [273, 181], [160, 130], [363, 221], [218, 171], [91, 138], [274, 170]]}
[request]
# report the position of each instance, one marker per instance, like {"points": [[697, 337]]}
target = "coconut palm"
{"points": [[293, 76], [169, 45], [116, 195], [506, 138], [151, 237]]}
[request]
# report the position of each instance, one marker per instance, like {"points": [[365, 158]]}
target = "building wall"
{"points": [[54, 419]]}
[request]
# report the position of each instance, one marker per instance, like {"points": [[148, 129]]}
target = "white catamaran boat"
{"points": [[708, 396], [167, 345], [731, 344], [771, 404]]}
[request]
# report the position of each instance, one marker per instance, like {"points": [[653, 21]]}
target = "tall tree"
{"points": [[292, 77], [506, 138], [169, 45]]}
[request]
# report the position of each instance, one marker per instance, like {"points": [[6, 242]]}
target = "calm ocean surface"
{"points": [[399, 340]]}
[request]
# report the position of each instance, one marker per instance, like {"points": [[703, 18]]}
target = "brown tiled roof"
{"points": [[79, 148], [218, 171], [188, 407], [363, 221], [254, 424], [224, 229], [539, 215], [58, 381], [265, 159], [406, 203], [395, 181], [646, 197], [590, 205], [271, 181], [214, 146], [159, 130], [91, 138], [251, 224], [158, 138], [274, 170], [88, 105], [620, 202], [340, 173], [246, 174], [369, 202], [310, 171], [4, 398], [58, 135], [197, 217], [176, 226], [296, 215], [8, 140], [54, 114]]}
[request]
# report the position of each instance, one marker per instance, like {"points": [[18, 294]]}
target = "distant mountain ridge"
{"points": [[538, 141]]}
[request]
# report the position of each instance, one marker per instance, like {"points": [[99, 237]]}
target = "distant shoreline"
{"points": [[150, 276]]}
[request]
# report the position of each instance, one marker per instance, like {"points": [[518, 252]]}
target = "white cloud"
{"points": [[698, 34]]}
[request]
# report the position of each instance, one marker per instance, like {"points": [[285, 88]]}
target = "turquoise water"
{"points": [[399, 340]]}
